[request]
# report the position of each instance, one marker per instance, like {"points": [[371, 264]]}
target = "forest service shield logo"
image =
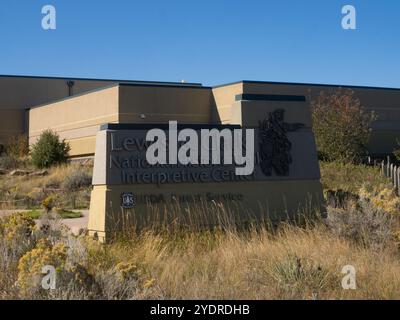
{"points": [[127, 200]]}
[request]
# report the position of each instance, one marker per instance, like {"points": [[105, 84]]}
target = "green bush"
{"points": [[49, 150], [341, 126]]}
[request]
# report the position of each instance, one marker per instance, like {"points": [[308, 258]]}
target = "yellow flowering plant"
{"points": [[30, 265], [385, 199], [17, 226]]}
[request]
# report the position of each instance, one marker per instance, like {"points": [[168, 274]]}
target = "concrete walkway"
{"points": [[74, 224]]}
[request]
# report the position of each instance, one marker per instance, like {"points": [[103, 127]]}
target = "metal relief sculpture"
{"points": [[275, 147]]}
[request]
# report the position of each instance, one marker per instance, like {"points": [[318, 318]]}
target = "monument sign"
{"points": [[267, 170]]}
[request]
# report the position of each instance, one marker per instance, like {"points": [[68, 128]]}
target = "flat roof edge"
{"points": [[304, 84], [165, 126], [195, 84], [127, 84], [73, 96], [108, 80], [115, 85]]}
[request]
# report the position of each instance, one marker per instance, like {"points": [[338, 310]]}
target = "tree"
{"points": [[341, 126], [49, 150]]}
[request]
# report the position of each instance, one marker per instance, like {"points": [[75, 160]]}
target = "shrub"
{"points": [[18, 146], [17, 226], [52, 182], [78, 179], [341, 126], [48, 203], [385, 199], [364, 224], [396, 151], [351, 177], [339, 198], [16, 153], [8, 162], [301, 274], [36, 196], [15, 239], [31, 264], [396, 154], [49, 150]]}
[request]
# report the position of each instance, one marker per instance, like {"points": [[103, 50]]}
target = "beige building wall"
{"points": [[77, 119], [11, 124], [160, 104], [19, 93], [249, 113], [384, 102], [224, 98]]}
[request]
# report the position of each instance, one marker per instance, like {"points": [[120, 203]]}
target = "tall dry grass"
{"points": [[178, 255], [293, 263], [289, 261]]}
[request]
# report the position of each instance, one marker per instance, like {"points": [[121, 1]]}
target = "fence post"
{"points": [[395, 181], [388, 169], [398, 181], [383, 168]]}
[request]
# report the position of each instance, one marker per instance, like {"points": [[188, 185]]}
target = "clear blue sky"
{"points": [[212, 42]]}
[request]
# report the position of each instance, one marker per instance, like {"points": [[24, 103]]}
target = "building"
{"points": [[76, 108]]}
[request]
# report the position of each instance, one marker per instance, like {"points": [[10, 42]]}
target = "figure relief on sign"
{"points": [[275, 146]]}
